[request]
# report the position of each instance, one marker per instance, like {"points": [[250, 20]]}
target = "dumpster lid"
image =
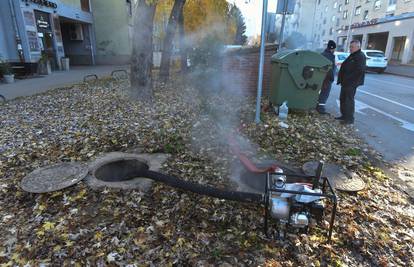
{"points": [[309, 58], [297, 60]]}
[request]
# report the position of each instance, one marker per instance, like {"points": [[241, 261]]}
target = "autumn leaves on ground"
{"points": [[79, 226]]}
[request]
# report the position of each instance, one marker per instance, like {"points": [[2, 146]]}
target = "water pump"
{"points": [[295, 201]]}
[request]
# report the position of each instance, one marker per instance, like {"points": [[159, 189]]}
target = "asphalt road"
{"points": [[384, 115]]}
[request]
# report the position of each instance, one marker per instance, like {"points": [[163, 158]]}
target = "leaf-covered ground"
{"points": [[79, 226]]}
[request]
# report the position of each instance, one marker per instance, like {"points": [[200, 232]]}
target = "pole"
{"points": [[16, 32], [348, 36], [261, 62], [282, 26]]}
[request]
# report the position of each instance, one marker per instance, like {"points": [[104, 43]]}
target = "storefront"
{"points": [[393, 35], [48, 29]]}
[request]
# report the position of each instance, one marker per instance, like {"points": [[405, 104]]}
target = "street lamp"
{"points": [[348, 36]]}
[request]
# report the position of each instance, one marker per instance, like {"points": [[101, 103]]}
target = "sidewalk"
{"points": [[401, 70], [57, 79]]}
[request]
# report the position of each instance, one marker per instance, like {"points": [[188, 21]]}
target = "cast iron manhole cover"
{"points": [[340, 179], [54, 177]]}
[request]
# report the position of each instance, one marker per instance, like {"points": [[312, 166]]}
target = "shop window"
{"points": [[365, 14], [377, 4], [358, 10], [85, 5]]}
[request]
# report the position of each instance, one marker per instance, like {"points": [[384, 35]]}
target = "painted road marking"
{"points": [[392, 83], [359, 106], [386, 99]]}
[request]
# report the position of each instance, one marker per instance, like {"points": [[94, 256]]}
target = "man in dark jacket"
{"points": [[329, 79], [350, 76]]}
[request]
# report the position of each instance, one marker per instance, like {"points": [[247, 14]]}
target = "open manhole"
{"points": [[124, 170], [121, 170], [255, 182]]}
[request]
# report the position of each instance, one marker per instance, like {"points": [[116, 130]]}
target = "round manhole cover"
{"points": [[54, 177], [339, 178]]}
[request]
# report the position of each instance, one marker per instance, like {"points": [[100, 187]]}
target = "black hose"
{"points": [[204, 189]]}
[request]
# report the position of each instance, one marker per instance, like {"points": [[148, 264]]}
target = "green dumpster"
{"points": [[297, 77]]}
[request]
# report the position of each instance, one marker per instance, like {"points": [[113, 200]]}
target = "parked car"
{"points": [[339, 58], [376, 60]]}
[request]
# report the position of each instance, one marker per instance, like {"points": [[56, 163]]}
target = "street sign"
{"points": [[285, 6]]}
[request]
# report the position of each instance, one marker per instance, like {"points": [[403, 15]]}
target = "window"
{"points": [[346, 2], [340, 8], [365, 14], [324, 21], [326, 8], [323, 32], [391, 5], [377, 4], [337, 22], [331, 31], [358, 10], [85, 5], [335, 5], [375, 54], [345, 15], [333, 18]]}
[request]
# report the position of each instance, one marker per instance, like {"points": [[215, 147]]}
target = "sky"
{"points": [[252, 12]]}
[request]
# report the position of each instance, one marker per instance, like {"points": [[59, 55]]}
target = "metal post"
{"points": [[261, 62], [282, 26]]}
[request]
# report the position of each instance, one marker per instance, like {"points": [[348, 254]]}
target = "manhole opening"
{"points": [[121, 170]]}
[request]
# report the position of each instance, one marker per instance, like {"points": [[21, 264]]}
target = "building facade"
{"points": [[386, 25], [85, 31], [31, 29]]}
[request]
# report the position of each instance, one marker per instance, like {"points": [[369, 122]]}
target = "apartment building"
{"points": [[386, 25]]}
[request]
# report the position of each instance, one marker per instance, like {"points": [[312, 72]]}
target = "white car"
{"points": [[376, 60], [339, 58]]}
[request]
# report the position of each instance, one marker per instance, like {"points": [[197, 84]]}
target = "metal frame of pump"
{"points": [[294, 214]]}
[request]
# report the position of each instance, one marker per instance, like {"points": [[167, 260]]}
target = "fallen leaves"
{"points": [[78, 226]]}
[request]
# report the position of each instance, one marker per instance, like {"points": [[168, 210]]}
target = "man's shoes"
{"points": [[341, 118], [346, 122]]}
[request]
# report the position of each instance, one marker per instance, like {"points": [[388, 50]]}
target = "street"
{"points": [[384, 115]]}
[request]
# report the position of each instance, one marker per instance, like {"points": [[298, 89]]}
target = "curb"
{"points": [[399, 74]]}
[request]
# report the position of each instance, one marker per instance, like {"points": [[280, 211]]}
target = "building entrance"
{"points": [[45, 35], [398, 48], [377, 41]]}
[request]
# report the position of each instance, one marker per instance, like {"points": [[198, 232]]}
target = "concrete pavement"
{"points": [[384, 117], [57, 79]]}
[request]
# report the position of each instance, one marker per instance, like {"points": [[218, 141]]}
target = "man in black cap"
{"points": [[350, 76], [329, 79]]}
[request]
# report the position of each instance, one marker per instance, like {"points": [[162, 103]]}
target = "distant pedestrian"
{"points": [[329, 79], [350, 76]]}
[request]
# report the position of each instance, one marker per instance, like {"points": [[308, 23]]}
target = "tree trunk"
{"points": [[168, 41], [141, 61], [183, 46]]}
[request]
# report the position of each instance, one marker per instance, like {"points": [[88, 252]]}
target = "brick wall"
{"points": [[241, 67]]}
